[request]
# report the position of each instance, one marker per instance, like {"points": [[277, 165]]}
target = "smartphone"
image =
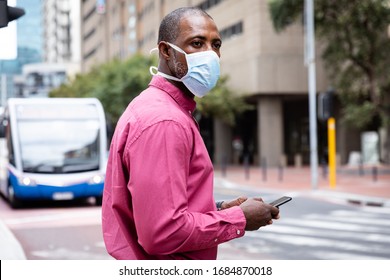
{"points": [[281, 201]]}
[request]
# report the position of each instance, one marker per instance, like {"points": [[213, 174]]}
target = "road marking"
{"points": [[54, 217], [340, 234], [326, 255], [328, 233], [332, 225], [355, 220], [66, 254], [323, 242]]}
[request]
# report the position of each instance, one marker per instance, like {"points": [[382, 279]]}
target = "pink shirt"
{"points": [[158, 197]]}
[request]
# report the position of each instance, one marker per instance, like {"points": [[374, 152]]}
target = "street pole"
{"points": [[332, 151], [310, 63]]}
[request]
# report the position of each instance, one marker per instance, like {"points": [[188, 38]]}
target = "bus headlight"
{"points": [[97, 179], [27, 181]]}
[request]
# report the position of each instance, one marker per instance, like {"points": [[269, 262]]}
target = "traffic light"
{"points": [[8, 14], [325, 105]]}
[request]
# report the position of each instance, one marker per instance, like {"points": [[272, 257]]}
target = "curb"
{"points": [[355, 199], [10, 247], [349, 198]]}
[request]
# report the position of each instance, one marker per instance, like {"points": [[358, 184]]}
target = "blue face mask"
{"points": [[203, 71]]}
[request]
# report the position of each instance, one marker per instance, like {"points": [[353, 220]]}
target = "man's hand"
{"points": [[235, 202], [258, 214]]}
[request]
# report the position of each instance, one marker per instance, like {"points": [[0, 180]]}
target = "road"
{"points": [[309, 229], [313, 229], [60, 231]]}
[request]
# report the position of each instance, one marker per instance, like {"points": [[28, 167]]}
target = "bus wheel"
{"points": [[13, 201], [98, 200]]}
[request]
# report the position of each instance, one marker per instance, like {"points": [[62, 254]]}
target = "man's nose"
{"points": [[209, 47]]}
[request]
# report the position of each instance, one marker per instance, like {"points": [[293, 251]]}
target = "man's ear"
{"points": [[163, 49]]}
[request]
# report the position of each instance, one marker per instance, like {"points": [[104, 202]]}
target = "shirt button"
{"points": [[216, 240], [238, 232]]}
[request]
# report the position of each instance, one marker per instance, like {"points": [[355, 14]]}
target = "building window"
{"points": [[146, 10], [89, 34], [89, 54], [232, 30], [147, 38], [205, 5], [89, 14]]}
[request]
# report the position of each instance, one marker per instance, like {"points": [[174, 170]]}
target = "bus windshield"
{"points": [[59, 146]]}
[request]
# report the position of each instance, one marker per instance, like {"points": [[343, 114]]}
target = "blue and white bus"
{"points": [[52, 149]]}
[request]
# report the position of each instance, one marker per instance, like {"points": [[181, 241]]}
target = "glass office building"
{"points": [[30, 45], [29, 34]]}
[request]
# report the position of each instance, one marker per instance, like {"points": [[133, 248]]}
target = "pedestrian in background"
{"points": [[158, 199]]}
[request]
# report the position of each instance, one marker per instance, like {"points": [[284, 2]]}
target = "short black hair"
{"points": [[170, 25]]}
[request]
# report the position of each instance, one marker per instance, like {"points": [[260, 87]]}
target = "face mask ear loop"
{"points": [[177, 49], [153, 70], [153, 50]]}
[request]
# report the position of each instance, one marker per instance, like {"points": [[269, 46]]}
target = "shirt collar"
{"points": [[184, 101]]}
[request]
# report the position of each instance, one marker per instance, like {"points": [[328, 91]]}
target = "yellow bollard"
{"points": [[332, 152]]}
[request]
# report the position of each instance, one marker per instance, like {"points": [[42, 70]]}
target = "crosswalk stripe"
{"points": [[368, 221], [326, 255], [370, 237], [354, 233], [333, 225], [339, 234], [313, 241], [52, 217]]}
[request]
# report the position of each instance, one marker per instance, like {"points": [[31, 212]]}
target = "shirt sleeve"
{"points": [[159, 163]]}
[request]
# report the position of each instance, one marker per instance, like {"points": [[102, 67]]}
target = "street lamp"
{"points": [[310, 62]]}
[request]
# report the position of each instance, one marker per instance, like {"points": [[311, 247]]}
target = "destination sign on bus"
{"points": [[56, 111]]}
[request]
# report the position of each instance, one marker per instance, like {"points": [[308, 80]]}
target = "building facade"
{"points": [[106, 27], [264, 66], [61, 36]]}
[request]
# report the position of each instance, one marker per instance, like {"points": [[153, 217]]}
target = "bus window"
{"points": [[55, 148]]}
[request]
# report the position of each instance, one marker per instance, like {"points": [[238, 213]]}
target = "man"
{"points": [[158, 199]]}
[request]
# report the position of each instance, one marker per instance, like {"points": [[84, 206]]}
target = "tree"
{"points": [[116, 83], [356, 54], [222, 103]]}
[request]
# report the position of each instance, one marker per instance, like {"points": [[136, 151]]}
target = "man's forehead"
{"points": [[197, 25]]}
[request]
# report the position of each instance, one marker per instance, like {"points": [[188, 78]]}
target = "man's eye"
{"points": [[217, 45], [197, 44]]}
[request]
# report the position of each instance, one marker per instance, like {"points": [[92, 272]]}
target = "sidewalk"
{"points": [[367, 186], [10, 248]]}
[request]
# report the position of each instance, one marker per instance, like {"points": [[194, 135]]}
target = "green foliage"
{"points": [[222, 103], [356, 54], [80, 86], [114, 83], [359, 114], [121, 82], [284, 13]]}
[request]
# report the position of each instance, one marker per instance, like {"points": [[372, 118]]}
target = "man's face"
{"points": [[197, 34]]}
